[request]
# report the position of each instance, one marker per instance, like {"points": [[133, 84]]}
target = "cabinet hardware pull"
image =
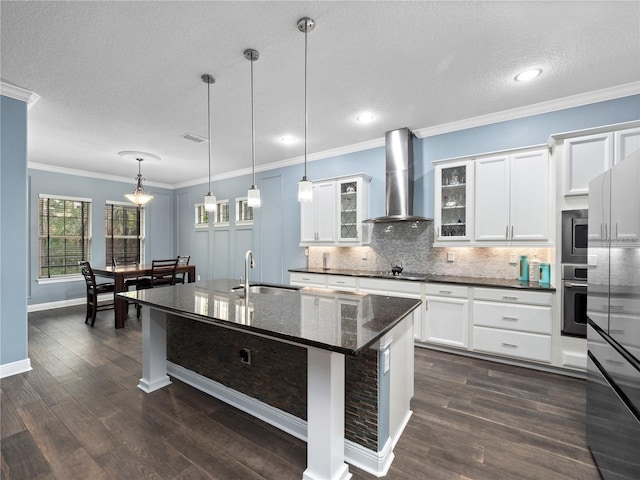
{"points": [[306, 278], [339, 281], [506, 233], [616, 332], [620, 308], [509, 297], [602, 231], [511, 232], [570, 285], [606, 231], [510, 345], [447, 292], [616, 230], [515, 319]]}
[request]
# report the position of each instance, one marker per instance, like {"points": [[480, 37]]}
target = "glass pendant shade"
{"points": [[210, 202], [305, 190], [139, 196], [253, 197]]}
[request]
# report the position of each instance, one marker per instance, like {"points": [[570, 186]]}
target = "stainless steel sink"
{"points": [[266, 289]]}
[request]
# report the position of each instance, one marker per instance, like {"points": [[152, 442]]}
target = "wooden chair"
{"points": [[163, 273], [93, 290], [182, 260]]}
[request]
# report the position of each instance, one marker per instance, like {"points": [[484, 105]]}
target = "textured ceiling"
{"points": [[126, 75]]}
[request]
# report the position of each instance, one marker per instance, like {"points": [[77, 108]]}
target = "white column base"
{"points": [[325, 416], [154, 350]]}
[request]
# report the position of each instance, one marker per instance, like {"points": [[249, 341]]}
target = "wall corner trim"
{"points": [[18, 93], [14, 368]]}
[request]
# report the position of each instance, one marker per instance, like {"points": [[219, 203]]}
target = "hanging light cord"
{"points": [[209, 128], [253, 133], [306, 120]]}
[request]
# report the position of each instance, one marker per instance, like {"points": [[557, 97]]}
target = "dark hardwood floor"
{"points": [[79, 415]]}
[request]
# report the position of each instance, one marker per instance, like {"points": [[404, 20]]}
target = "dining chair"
{"points": [[182, 260], [93, 290], [163, 273]]}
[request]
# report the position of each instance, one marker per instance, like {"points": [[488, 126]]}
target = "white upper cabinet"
{"points": [[512, 198], [588, 156], [318, 217], [454, 201], [335, 215]]}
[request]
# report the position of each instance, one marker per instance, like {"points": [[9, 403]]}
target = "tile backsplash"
{"points": [[413, 246]]}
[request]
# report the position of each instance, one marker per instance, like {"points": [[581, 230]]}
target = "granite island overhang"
{"points": [[332, 368]]}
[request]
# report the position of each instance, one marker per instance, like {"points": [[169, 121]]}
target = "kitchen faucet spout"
{"points": [[248, 262]]}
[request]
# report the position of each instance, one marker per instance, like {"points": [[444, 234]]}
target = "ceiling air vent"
{"points": [[194, 138]]}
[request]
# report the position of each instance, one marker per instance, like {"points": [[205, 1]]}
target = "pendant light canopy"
{"points": [[253, 195], [210, 201], [305, 187], [139, 196]]}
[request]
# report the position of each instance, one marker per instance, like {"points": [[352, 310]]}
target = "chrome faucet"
{"points": [[248, 262]]}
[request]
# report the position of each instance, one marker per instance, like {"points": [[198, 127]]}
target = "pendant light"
{"points": [[139, 196], [210, 202], [253, 195], [305, 187]]}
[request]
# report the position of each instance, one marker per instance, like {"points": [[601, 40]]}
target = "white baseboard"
{"points": [[65, 303], [13, 368], [375, 463], [574, 359]]}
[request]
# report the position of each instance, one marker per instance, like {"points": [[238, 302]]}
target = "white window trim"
{"points": [[195, 215], [60, 279], [65, 197], [239, 222], [222, 224]]}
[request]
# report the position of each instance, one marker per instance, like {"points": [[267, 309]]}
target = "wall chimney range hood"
{"points": [[399, 179]]}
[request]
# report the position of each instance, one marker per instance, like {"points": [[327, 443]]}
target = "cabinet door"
{"points": [[348, 222], [585, 158], [627, 142], [308, 221], [453, 201], [324, 198], [447, 321], [492, 199], [625, 199], [529, 206]]}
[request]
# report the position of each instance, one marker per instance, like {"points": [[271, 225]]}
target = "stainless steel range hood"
{"points": [[399, 178]]}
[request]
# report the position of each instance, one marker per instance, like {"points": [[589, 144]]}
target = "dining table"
{"points": [[122, 273]]}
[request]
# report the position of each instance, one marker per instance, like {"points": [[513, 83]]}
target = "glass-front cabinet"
{"points": [[338, 208], [453, 201]]}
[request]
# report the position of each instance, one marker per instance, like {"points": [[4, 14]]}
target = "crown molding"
{"points": [[334, 152], [18, 93], [99, 176], [535, 109]]}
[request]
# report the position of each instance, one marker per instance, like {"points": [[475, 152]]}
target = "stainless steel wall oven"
{"points": [[574, 272]]}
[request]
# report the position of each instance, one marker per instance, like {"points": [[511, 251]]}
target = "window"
{"points": [[202, 216], [64, 235], [222, 214], [124, 233], [244, 213]]}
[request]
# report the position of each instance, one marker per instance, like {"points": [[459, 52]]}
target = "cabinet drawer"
{"points": [[446, 290], [514, 296], [338, 282], [530, 346], [390, 287], [524, 318], [307, 279]]}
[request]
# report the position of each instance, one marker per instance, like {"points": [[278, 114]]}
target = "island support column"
{"points": [[154, 350], [325, 416]]}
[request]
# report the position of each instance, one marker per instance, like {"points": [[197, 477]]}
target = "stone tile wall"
{"points": [[413, 246], [277, 374]]}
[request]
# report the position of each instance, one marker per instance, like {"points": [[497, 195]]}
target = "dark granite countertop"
{"points": [[423, 277], [293, 315]]}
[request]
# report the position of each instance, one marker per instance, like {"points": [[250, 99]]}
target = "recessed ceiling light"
{"points": [[288, 139], [528, 75], [365, 117]]}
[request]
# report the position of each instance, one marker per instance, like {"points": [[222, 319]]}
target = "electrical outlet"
{"points": [[387, 361], [364, 254], [198, 277], [450, 257], [245, 356], [513, 258], [306, 251]]}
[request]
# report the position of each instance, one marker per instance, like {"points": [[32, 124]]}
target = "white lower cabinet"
{"points": [[513, 323], [446, 315]]}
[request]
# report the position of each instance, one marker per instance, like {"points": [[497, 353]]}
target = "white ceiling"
{"points": [[118, 75]]}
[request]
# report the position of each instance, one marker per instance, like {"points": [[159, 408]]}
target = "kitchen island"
{"points": [[332, 368]]}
